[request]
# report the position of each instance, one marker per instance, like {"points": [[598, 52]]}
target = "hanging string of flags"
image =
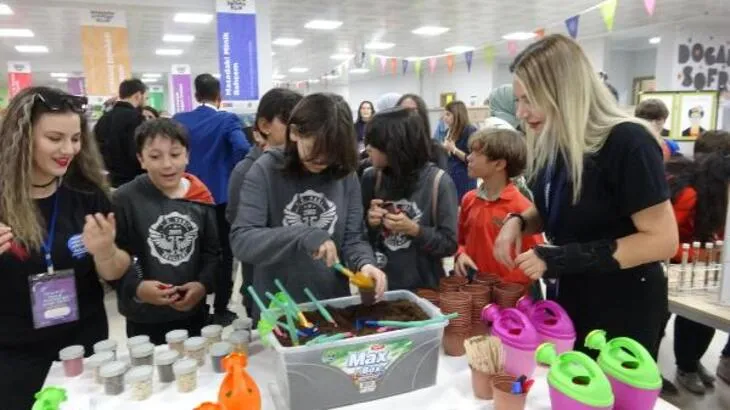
{"points": [[607, 9]]}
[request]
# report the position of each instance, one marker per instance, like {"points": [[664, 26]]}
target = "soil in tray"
{"points": [[346, 318]]}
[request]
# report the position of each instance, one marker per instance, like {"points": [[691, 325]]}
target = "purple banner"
{"points": [[237, 50], [180, 88], [76, 85]]}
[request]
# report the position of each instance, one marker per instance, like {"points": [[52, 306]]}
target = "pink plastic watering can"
{"points": [[552, 323], [519, 338]]}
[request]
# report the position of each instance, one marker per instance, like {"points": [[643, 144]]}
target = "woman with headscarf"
{"points": [[502, 105]]}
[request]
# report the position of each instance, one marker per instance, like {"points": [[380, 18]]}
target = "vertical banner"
{"points": [[156, 97], [180, 88], [105, 47], [76, 85], [19, 77], [237, 50]]}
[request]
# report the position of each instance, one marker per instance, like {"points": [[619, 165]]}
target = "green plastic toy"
{"points": [[50, 398], [625, 360], [577, 376]]}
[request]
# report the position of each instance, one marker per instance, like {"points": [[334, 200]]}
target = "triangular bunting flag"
{"points": [[450, 62], [372, 61], [405, 66], [512, 48], [540, 33], [383, 63], [650, 5], [469, 55], [417, 66], [432, 64], [394, 65], [489, 53], [608, 11], [572, 25]]}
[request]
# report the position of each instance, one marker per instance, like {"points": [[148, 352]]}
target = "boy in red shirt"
{"points": [[496, 156]]}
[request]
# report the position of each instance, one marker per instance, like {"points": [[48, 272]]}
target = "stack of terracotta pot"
{"points": [[452, 283], [429, 294], [459, 329], [481, 295], [488, 279], [506, 294]]}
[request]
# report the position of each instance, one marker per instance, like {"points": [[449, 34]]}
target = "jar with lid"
{"points": [[164, 361], [244, 323], [142, 354], [113, 375], [186, 375], [217, 353], [98, 360], [175, 340], [195, 349], [108, 345], [239, 340], [136, 341], [212, 334], [139, 380], [73, 360]]}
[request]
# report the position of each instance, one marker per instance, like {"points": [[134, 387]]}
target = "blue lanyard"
{"points": [[47, 245], [555, 179]]}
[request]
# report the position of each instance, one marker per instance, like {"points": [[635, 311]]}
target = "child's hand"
{"points": [[193, 293], [462, 264], [327, 252], [156, 293], [377, 275], [99, 233], [376, 213], [6, 238], [401, 223]]}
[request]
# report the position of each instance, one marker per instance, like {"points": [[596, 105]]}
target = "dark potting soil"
{"points": [[398, 310]]}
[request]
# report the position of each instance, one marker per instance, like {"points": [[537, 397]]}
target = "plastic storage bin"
{"points": [[360, 369]]}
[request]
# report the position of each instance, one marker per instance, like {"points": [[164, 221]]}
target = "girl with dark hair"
{"points": [[412, 203], [699, 198], [439, 156], [301, 207], [150, 113], [364, 114], [52, 191], [457, 145]]}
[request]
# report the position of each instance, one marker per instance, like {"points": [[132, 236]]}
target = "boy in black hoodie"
{"points": [[166, 219]]}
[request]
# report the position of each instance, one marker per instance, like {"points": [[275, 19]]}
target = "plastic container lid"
{"points": [[71, 352], [176, 336], [221, 349], [577, 376], [167, 357], [239, 336], [137, 340], [626, 360], [142, 350], [185, 366], [244, 323], [99, 359], [195, 343], [139, 373], [211, 331], [550, 318], [105, 345], [112, 369], [514, 329]]}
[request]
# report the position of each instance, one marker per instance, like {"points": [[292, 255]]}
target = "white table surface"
{"points": [[451, 392]]}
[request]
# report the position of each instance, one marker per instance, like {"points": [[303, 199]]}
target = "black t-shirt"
{"points": [[16, 318]]}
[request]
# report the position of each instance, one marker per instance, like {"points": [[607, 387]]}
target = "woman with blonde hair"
{"points": [[56, 239], [456, 144], [600, 196]]}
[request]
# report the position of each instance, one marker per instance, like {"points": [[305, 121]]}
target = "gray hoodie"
{"points": [[413, 262], [235, 183], [282, 221]]}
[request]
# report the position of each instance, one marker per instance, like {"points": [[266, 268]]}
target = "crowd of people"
{"points": [[160, 207]]}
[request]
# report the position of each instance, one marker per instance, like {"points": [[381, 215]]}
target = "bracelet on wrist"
{"points": [[523, 221]]}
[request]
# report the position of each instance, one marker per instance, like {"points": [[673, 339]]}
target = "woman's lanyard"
{"points": [[555, 180], [47, 245]]}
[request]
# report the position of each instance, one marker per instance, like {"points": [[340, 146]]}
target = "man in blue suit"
{"points": [[217, 143]]}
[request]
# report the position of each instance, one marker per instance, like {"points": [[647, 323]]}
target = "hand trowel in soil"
{"points": [[364, 283]]}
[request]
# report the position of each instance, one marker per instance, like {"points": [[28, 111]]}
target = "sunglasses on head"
{"points": [[62, 102]]}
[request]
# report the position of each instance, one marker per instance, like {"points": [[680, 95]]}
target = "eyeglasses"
{"points": [[62, 102]]}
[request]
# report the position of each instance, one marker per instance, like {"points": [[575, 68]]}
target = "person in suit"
{"points": [[217, 144], [115, 129]]}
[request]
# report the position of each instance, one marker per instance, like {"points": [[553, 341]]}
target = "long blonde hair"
{"points": [[17, 207], [580, 111]]}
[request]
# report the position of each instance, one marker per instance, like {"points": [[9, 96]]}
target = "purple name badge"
{"points": [[53, 298]]}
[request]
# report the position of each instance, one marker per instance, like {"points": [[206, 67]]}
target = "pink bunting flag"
{"points": [[650, 5], [512, 48], [383, 63], [432, 64]]}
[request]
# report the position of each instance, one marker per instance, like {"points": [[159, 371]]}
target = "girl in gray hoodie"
{"points": [[301, 207]]}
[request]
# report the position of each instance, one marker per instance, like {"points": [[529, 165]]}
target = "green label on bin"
{"points": [[366, 364]]}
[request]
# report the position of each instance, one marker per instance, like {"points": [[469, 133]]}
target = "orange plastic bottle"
{"points": [[238, 390]]}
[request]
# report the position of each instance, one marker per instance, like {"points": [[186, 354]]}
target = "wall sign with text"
{"points": [[702, 62]]}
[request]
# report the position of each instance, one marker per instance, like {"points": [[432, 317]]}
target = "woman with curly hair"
{"points": [[53, 196]]}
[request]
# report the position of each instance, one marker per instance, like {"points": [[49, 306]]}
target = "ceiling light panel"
{"points": [[16, 32], [378, 45], [194, 18], [178, 38], [31, 49], [323, 24], [287, 41], [430, 31]]}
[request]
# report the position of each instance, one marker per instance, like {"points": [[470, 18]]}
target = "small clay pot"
{"points": [[488, 279], [481, 384], [503, 397], [429, 294], [452, 283], [506, 295], [478, 328], [458, 302], [454, 343], [481, 295], [367, 296]]}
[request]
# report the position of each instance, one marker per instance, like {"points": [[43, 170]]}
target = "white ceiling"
{"points": [[471, 22]]}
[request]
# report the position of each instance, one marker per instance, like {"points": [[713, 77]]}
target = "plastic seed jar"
{"points": [[142, 355], [164, 361], [136, 341], [186, 375], [217, 353], [113, 376], [139, 380], [73, 360], [244, 323], [176, 339], [212, 334], [239, 339], [195, 349], [98, 360], [108, 345]]}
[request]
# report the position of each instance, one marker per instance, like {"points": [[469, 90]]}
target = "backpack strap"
{"points": [[435, 195]]}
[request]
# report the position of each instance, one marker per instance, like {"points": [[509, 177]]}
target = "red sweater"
{"points": [[479, 224], [684, 206]]}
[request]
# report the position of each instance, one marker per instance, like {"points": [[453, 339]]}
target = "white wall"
{"points": [[624, 66]]}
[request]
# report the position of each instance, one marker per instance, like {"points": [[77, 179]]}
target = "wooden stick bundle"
{"points": [[485, 353]]}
